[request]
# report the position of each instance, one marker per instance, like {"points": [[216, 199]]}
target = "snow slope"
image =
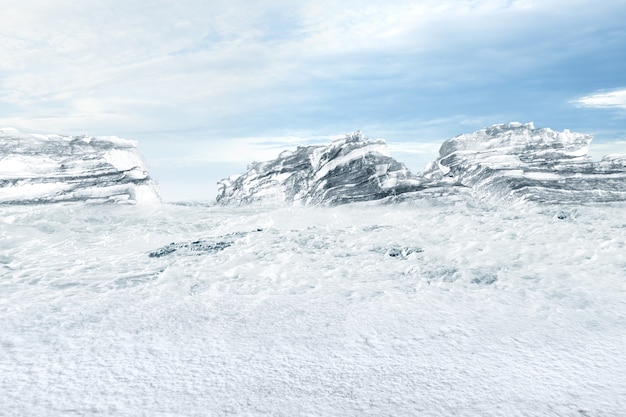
{"points": [[430, 307], [53, 168]]}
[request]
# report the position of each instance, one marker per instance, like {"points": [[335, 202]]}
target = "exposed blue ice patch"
{"points": [[200, 246], [195, 247]]}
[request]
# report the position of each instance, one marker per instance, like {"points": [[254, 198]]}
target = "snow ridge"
{"points": [[54, 168]]}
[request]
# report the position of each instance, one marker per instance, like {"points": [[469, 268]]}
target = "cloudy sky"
{"points": [[207, 86]]}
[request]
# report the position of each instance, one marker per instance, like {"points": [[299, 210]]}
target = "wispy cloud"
{"points": [[275, 67], [615, 99]]}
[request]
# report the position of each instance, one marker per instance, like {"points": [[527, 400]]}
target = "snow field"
{"points": [[431, 308]]}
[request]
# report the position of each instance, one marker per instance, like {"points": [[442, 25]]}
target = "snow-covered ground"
{"points": [[428, 308]]}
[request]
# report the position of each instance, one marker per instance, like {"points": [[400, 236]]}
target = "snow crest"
{"points": [[53, 168]]}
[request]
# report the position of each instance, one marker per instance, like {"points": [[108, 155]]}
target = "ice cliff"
{"points": [[53, 168], [350, 169], [504, 161], [519, 161]]}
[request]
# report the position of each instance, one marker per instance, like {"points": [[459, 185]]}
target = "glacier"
{"points": [[511, 161], [53, 168]]}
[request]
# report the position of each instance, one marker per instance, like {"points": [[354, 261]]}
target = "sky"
{"points": [[208, 86]]}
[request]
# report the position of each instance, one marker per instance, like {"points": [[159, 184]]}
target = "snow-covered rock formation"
{"points": [[504, 161], [520, 161], [350, 169], [52, 168]]}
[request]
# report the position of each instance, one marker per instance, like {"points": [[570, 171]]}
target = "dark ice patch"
{"points": [[441, 274], [375, 228], [398, 252], [195, 247], [485, 279], [201, 246], [566, 215]]}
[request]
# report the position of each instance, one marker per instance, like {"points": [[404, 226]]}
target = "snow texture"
{"points": [[440, 307], [508, 161], [52, 168]]}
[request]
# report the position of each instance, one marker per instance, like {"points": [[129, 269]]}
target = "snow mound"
{"points": [[54, 168]]}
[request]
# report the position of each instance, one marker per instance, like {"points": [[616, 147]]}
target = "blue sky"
{"points": [[208, 86]]}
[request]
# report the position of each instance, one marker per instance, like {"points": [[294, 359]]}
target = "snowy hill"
{"points": [[506, 161], [52, 168]]}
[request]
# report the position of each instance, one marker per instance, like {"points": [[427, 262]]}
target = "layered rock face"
{"points": [[52, 168], [350, 169], [518, 161], [507, 161]]}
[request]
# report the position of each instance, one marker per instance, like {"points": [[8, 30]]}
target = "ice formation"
{"points": [[53, 168], [505, 161], [522, 162], [350, 169]]}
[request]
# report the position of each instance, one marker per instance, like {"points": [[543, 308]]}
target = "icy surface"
{"points": [[430, 307], [503, 162], [52, 168]]}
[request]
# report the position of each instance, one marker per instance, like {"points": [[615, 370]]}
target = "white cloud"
{"points": [[119, 65], [604, 100]]}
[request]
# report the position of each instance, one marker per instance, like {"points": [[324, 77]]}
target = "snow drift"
{"points": [[53, 168], [506, 161]]}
